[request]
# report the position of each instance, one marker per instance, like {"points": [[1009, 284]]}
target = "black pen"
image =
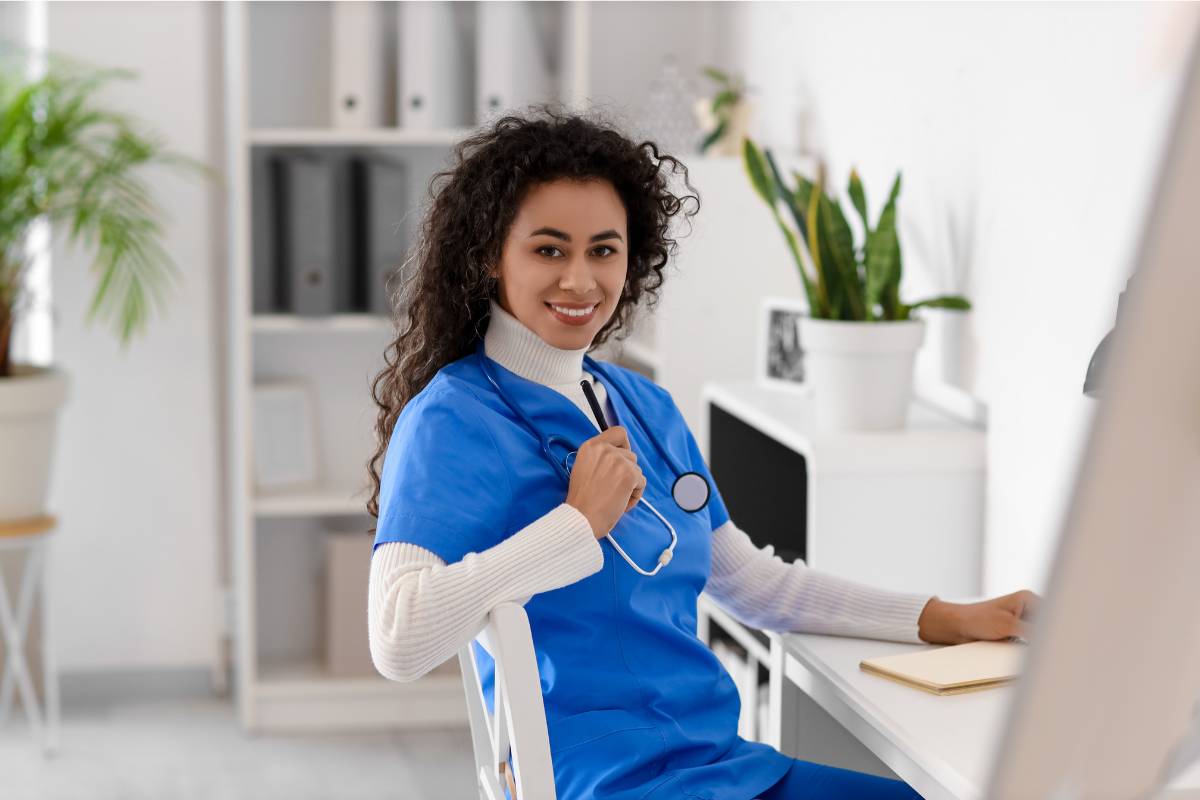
{"points": [[595, 404]]}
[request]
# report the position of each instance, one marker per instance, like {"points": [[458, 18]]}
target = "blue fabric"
{"points": [[637, 707], [808, 781]]}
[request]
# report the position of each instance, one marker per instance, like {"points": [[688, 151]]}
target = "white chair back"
{"points": [[518, 724]]}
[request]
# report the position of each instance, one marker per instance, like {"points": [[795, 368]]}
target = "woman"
{"points": [[546, 233]]}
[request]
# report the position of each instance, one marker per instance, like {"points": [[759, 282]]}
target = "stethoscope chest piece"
{"points": [[690, 491]]}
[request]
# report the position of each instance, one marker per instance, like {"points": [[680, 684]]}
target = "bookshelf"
{"points": [[276, 79]]}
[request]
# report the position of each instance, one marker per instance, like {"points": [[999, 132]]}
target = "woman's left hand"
{"points": [[1002, 617]]}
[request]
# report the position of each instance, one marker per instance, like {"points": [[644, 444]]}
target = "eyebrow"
{"points": [[555, 232]]}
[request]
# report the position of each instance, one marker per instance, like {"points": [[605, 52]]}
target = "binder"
{"points": [[953, 669], [513, 68], [263, 266], [349, 284], [380, 203], [358, 65], [437, 64], [307, 251]]}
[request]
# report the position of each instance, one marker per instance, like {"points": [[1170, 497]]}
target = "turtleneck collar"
{"points": [[519, 349]]}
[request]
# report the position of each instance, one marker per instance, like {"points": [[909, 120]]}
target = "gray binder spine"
{"points": [[307, 243], [348, 285], [264, 269], [386, 237]]}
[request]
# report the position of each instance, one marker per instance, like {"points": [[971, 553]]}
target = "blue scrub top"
{"points": [[637, 707]]}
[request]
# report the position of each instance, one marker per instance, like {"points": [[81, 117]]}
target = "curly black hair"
{"points": [[446, 301]]}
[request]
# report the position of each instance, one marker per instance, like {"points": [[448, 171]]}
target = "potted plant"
{"points": [[67, 161], [725, 116], [859, 338]]}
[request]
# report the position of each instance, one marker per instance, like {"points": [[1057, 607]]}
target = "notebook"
{"points": [[954, 669]]}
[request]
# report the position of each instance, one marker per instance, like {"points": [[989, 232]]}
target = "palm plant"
{"points": [[842, 280], [68, 161]]}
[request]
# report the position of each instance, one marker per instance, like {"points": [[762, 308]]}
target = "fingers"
{"points": [[616, 435], [1031, 603], [637, 492]]}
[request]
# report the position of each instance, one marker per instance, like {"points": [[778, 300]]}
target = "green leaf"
{"points": [[766, 186], [858, 197], [804, 188], [951, 301], [717, 75], [713, 135], [882, 258], [839, 243], [788, 198], [764, 183], [825, 308], [726, 97]]}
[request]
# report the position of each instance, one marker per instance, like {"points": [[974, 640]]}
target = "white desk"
{"points": [[942, 746]]}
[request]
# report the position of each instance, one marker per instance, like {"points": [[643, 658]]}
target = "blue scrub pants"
{"points": [[808, 781]]}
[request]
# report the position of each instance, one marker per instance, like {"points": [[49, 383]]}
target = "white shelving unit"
{"points": [[278, 88], [281, 683]]}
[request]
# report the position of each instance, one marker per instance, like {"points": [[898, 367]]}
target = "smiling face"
{"points": [[564, 260]]}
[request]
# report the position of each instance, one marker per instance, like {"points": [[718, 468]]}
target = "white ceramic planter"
{"points": [[29, 403], [861, 373]]}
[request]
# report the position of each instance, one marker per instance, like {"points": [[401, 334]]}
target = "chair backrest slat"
{"points": [[519, 718]]}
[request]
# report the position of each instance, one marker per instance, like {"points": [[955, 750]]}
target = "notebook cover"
{"points": [[953, 669]]}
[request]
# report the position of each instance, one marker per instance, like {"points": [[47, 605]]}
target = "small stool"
{"points": [[31, 534]]}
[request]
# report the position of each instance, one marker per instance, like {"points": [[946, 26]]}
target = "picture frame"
{"points": [[285, 450], [779, 360]]}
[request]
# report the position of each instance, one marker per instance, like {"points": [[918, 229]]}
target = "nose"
{"points": [[576, 276]]}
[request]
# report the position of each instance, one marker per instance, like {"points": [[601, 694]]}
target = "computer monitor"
{"points": [[1112, 677]]}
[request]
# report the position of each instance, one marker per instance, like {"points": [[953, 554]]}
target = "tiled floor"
{"points": [[193, 749]]}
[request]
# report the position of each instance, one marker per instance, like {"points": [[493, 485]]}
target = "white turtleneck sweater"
{"points": [[421, 610]]}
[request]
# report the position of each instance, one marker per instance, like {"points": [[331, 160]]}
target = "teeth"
{"points": [[572, 312]]}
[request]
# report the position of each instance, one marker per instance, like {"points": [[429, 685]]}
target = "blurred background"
{"points": [[205, 479]]}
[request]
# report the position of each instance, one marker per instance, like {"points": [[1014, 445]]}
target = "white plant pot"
{"points": [[861, 373], [29, 403]]}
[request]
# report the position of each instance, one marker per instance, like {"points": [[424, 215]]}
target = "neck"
{"points": [[519, 349]]}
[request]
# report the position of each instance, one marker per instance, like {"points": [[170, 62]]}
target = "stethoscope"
{"points": [[690, 489]]}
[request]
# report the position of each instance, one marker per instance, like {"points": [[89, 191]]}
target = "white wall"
{"points": [[1028, 135], [135, 482]]}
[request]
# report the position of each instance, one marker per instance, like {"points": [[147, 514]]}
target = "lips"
{"points": [[573, 319]]}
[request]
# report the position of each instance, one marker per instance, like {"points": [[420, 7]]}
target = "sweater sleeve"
{"points": [[421, 610], [758, 588]]}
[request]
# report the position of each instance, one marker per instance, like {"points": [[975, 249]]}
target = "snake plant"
{"points": [[65, 159], [842, 280]]}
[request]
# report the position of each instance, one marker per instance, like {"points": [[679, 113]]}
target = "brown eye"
{"points": [[606, 247], [546, 247]]}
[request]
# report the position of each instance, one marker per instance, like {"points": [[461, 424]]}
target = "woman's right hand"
{"points": [[605, 479]]}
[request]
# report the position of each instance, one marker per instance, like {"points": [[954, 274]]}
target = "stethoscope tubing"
{"points": [[545, 442]]}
